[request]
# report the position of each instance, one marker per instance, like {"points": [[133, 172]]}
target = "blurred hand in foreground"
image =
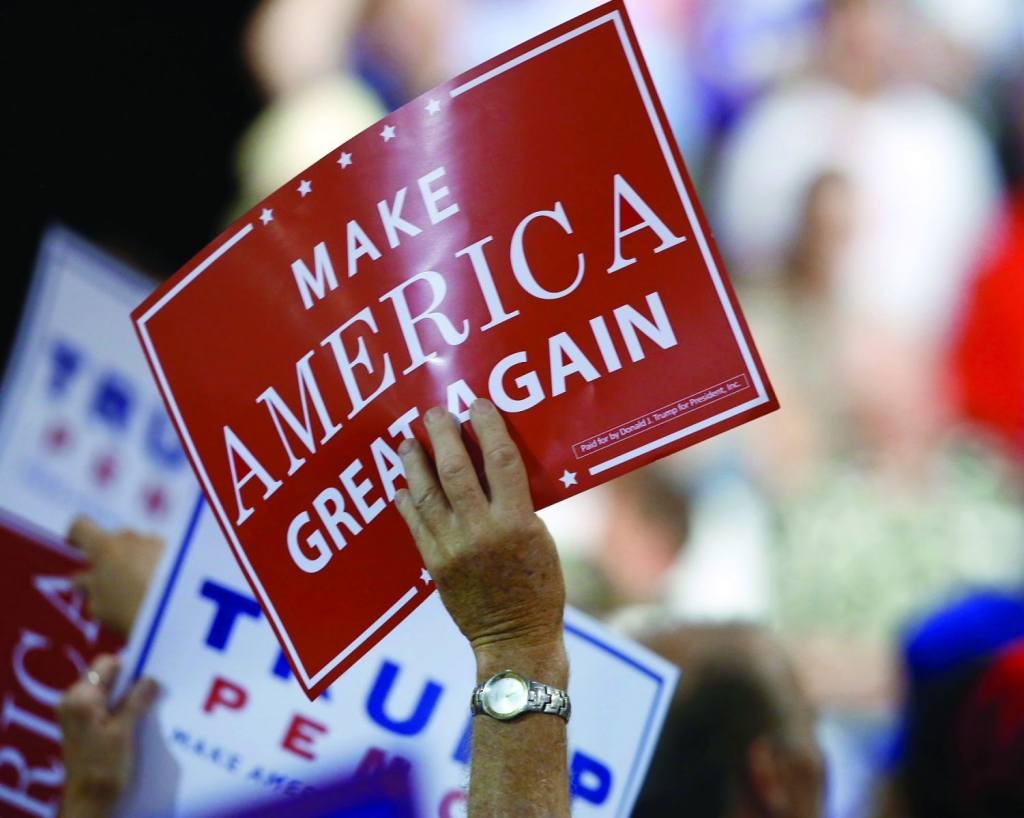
{"points": [[121, 566], [99, 743]]}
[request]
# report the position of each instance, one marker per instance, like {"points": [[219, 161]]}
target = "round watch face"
{"points": [[505, 696]]}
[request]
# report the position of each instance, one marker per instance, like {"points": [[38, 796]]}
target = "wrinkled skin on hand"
{"points": [[496, 568], [99, 744], [121, 566], [490, 556]]}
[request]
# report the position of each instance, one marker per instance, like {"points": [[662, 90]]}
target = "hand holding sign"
{"points": [[99, 744], [525, 233], [490, 555], [498, 573]]}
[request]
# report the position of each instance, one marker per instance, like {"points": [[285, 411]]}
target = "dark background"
{"points": [[120, 118]]}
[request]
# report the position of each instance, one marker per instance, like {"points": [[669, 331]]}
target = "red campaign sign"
{"points": [[525, 232], [46, 644]]}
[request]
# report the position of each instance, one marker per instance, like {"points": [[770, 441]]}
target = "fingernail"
{"points": [[482, 406], [401, 496], [434, 415], [406, 447]]}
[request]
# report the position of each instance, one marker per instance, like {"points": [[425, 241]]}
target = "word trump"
{"points": [[400, 702]]}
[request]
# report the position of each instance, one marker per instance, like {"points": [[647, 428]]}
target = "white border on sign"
{"points": [[236, 546], [614, 17]]}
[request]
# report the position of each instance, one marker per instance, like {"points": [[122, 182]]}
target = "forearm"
{"points": [[520, 762], [76, 804]]}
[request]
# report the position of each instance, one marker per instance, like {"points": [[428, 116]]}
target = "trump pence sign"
{"points": [[526, 233]]}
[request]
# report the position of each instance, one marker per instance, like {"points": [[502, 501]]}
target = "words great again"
{"points": [[367, 366]]}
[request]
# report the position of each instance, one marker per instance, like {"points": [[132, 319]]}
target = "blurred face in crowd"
{"points": [[739, 740], [859, 42], [792, 784], [825, 229]]}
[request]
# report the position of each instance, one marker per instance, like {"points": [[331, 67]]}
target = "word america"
{"points": [[514, 384]]}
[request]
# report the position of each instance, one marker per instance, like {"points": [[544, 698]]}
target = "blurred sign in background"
{"points": [[234, 725], [82, 427]]}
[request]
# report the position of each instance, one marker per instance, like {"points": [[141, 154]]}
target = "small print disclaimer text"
{"points": [[657, 417]]}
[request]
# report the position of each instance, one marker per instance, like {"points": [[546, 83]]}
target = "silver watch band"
{"points": [[540, 698], [548, 699]]}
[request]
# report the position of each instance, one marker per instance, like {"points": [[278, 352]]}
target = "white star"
{"points": [[425, 576], [305, 187], [267, 215], [434, 106], [568, 478], [345, 160], [388, 133]]}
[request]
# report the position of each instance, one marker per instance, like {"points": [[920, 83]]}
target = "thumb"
{"points": [[87, 537], [137, 701]]}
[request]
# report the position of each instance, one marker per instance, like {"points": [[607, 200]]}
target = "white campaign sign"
{"points": [[82, 427], [232, 724]]}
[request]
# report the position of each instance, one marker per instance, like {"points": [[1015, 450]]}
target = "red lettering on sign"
{"points": [[225, 694], [302, 732]]}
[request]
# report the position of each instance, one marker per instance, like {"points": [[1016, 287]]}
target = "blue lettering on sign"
{"points": [[378, 696], [462, 749], [230, 605], [281, 667], [67, 361], [113, 402], [591, 780], [161, 443]]}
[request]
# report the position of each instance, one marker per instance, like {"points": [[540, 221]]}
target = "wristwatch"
{"points": [[507, 694]]}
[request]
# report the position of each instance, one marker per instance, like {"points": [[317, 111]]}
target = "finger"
{"points": [[503, 465], [103, 671], [137, 701], [431, 504], [88, 696], [82, 581], [425, 542], [86, 536], [454, 468]]}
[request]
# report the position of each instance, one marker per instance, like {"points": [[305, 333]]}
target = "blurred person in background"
{"points": [[405, 47], [620, 541], [742, 48], [664, 28], [738, 740], [853, 203], [299, 54], [987, 353], [960, 752], [922, 174], [881, 193]]}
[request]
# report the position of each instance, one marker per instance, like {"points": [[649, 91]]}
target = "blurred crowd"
{"points": [[860, 162], [862, 166]]}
